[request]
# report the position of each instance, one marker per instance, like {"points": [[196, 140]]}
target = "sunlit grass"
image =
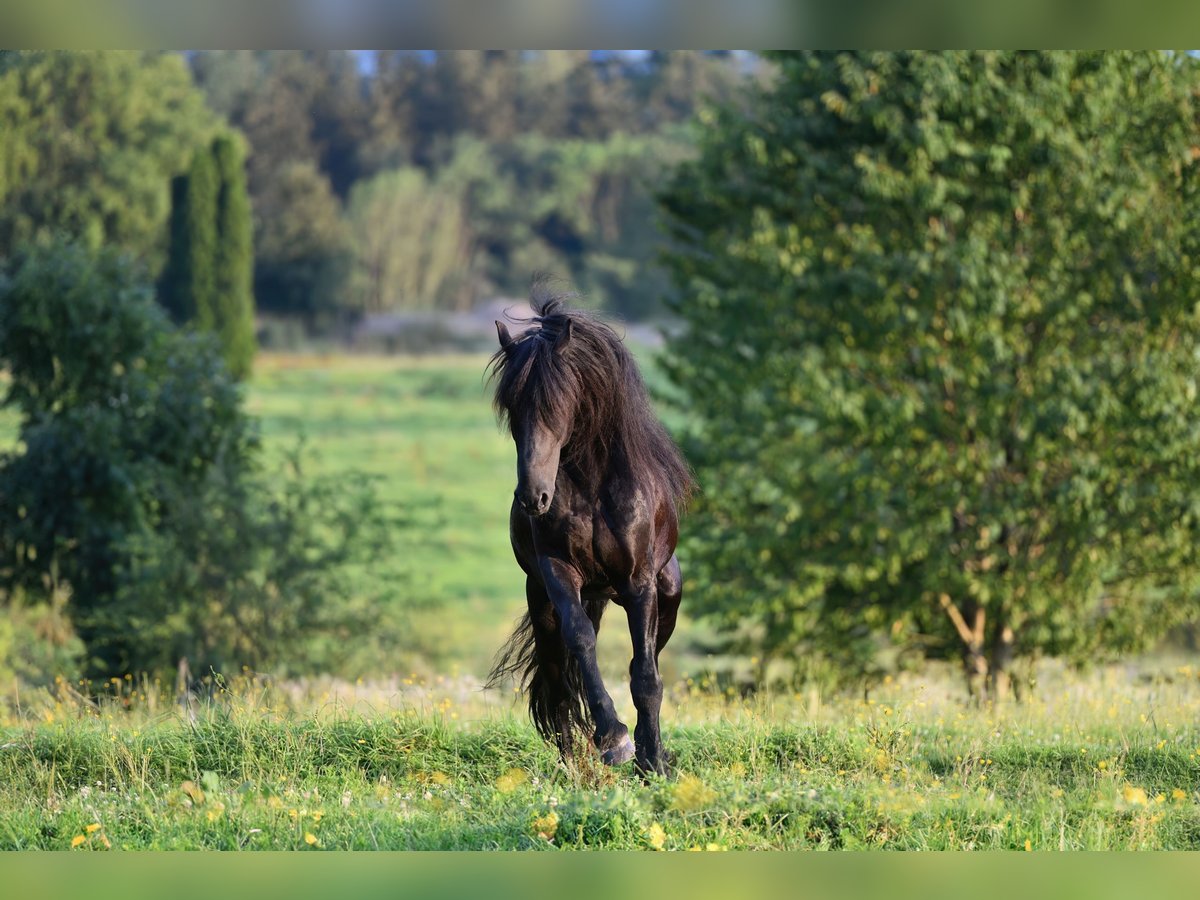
{"points": [[1103, 761]]}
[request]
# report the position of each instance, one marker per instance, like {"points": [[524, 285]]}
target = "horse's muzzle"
{"points": [[534, 505]]}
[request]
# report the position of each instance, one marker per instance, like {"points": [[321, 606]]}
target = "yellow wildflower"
{"points": [[310, 838], [1135, 796], [546, 826], [511, 780], [1178, 795], [691, 794], [77, 840], [94, 827], [1028, 845], [655, 836]]}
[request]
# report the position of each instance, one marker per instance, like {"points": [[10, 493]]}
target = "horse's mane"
{"points": [[590, 388]]}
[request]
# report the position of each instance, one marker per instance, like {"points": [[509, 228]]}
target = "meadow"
{"points": [[425, 759], [422, 427], [1105, 762]]}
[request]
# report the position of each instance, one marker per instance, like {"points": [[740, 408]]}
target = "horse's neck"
{"points": [[587, 471]]}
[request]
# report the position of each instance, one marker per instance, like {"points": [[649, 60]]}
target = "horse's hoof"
{"points": [[661, 767], [622, 753]]}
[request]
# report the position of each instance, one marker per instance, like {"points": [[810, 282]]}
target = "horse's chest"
{"points": [[584, 539]]}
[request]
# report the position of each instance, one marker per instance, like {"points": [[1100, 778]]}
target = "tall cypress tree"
{"points": [[173, 291], [234, 258], [209, 270], [189, 284]]}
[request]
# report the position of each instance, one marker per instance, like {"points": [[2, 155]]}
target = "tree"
{"points": [[234, 258], [302, 245], [189, 283], [89, 143], [941, 332], [210, 265], [117, 412], [411, 243], [137, 486]]}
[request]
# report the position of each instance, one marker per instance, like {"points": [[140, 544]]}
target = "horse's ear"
{"points": [[502, 333], [564, 337]]}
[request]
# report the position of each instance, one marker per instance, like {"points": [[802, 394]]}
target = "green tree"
{"points": [[411, 243], [137, 486], [303, 253], [941, 341], [89, 142], [208, 280], [189, 284], [234, 258]]}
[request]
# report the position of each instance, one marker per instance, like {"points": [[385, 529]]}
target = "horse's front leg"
{"points": [[563, 584], [645, 682]]}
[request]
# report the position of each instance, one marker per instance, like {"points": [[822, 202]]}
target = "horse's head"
{"points": [[535, 396]]}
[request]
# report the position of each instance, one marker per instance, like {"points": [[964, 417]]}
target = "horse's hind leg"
{"points": [[652, 609], [670, 593]]}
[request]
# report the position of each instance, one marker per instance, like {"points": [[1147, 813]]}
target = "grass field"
{"points": [[424, 428], [422, 758], [1100, 763]]}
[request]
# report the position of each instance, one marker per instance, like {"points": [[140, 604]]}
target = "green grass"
{"points": [[424, 428], [1102, 763]]}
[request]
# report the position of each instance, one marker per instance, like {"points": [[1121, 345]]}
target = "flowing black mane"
{"points": [[589, 391]]}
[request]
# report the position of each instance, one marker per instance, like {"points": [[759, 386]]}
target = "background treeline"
{"points": [[379, 182], [409, 180]]}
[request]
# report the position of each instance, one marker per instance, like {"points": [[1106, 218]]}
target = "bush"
{"points": [[137, 483]]}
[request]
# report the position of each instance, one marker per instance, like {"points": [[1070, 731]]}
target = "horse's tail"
{"points": [[557, 709]]}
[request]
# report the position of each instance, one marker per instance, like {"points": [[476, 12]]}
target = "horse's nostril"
{"points": [[544, 501]]}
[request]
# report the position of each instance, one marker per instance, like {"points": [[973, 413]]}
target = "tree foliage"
{"points": [[136, 485], [303, 253], [234, 258], [941, 342], [410, 241], [208, 279], [328, 132], [89, 143], [189, 283]]}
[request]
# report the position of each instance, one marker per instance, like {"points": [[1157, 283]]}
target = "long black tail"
{"points": [[557, 707]]}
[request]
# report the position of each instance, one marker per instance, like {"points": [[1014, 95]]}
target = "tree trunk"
{"points": [[1001, 656], [974, 655]]}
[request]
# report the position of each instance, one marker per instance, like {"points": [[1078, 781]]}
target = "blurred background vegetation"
{"points": [[931, 343]]}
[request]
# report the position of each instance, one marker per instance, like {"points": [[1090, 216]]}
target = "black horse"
{"points": [[594, 518]]}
